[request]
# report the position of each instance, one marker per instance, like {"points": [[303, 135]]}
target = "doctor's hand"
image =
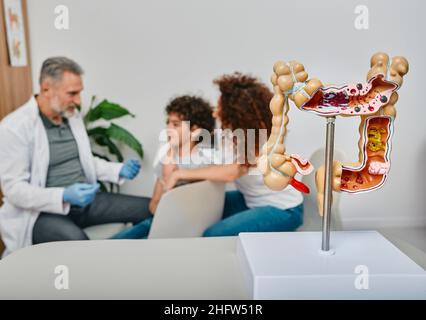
{"points": [[80, 194], [130, 169]]}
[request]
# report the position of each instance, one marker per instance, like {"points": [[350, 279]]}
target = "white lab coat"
{"points": [[24, 161]]}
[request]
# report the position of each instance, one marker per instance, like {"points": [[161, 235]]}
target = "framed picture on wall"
{"points": [[15, 32]]}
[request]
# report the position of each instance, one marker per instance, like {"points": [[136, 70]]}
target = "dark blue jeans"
{"points": [[106, 208], [237, 217], [138, 231]]}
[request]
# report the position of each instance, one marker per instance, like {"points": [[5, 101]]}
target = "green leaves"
{"points": [[118, 133], [105, 136], [109, 136], [106, 110]]}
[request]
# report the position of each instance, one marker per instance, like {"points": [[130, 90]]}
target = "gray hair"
{"points": [[55, 67]]}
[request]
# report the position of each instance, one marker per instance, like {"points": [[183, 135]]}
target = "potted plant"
{"points": [[112, 135]]}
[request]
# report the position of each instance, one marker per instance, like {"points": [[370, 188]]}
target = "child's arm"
{"points": [[169, 165], [156, 196], [223, 173], [167, 169]]}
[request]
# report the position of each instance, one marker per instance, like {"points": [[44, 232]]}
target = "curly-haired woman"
{"points": [[244, 105]]}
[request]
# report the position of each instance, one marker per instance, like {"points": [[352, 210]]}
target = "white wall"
{"points": [[141, 53]]}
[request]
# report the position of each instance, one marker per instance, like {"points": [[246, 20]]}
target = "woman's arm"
{"points": [[223, 173]]}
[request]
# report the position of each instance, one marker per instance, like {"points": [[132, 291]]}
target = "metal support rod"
{"points": [[329, 151]]}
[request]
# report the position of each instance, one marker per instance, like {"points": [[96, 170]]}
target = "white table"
{"points": [[197, 268]]}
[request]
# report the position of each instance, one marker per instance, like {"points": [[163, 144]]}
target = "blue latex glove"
{"points": [[81, 194], [130, 169]]}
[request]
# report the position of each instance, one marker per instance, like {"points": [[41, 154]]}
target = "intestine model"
{"points": [[373, 101], [278, 167]]}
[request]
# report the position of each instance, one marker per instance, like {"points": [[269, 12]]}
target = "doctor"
{"points": [[48, 174]]}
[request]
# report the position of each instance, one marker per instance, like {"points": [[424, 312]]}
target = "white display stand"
{"points": [[291, 265]]}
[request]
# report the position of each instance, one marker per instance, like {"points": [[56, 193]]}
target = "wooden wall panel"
{"points": [[15, 83]]}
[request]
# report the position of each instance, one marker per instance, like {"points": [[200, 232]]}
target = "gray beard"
{"points": [[67, 114]]}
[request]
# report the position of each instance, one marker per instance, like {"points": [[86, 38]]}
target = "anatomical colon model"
{"points": [[373, 101]]}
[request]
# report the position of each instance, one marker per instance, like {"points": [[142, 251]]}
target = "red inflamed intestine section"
{"points": [[373, 171], [351, 99]]}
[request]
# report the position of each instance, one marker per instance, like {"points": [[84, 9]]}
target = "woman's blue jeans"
{"points": [[237, 217]]}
